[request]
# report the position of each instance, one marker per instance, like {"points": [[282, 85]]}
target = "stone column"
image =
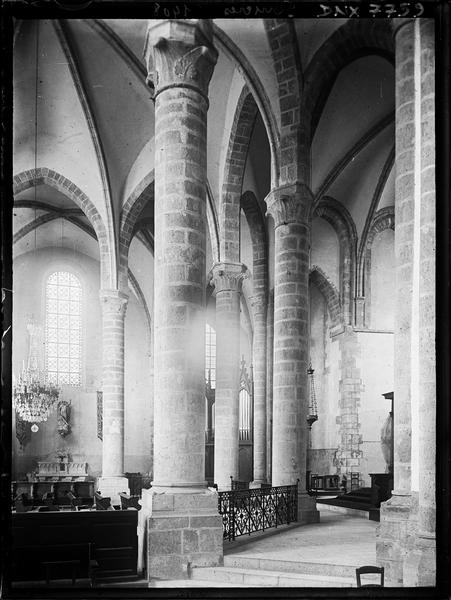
{"points": [[227, 278], [184, 527], [114, 305], [406, 545], [269, 382], [259, 361], [290, 207]]}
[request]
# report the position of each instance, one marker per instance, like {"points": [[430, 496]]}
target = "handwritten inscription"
{"points": [[250, 10], [387, 10], [175, 11]]}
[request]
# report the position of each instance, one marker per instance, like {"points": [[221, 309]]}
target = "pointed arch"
{"points": [[232, 183], [383, 219], [330, 293], [43, 175], [294, 151], [339, 218], [353, 40], [256, 223]]}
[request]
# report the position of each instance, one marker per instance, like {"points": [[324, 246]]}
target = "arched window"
{"points": [[245, 403], [245, 416], [63, 328], [210, 355]]}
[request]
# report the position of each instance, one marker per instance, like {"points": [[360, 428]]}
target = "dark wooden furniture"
{"points": [[324, 484], [57, 562], [381, 487], [129, 501], [112, 536], [102, 502], [37, 490], [369, 569]]}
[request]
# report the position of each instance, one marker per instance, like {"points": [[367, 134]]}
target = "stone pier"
{"points": [[290, 207], [406, 541], [227, 278], [112, 482], [259, 363], [184, 527]]}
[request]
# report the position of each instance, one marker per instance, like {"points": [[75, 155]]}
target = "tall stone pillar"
{"points": [[290, 206], [259, 362], [406, 545], [184, 527], [114, 305], [227, 278], [269, 381]]}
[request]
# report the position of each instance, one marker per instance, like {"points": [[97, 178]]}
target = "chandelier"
{"points": [[34, 396], [313, 408]]}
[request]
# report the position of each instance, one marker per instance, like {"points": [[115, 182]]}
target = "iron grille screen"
{"points": [[246, 511]]}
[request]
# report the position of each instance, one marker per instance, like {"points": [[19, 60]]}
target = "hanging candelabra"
{"points": [[34, 397], [313, 408]]}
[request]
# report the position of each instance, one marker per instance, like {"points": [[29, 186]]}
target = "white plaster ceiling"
{"points": [[111, 79], [362, 95]]}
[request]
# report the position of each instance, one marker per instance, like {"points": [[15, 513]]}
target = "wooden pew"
{"points": [[112, 536]]}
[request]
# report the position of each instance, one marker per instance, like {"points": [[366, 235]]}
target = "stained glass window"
{"points": [[63, 328], [210, 355]]}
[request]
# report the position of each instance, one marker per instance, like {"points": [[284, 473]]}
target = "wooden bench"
{"points": [[111, 533], [54, 562]]}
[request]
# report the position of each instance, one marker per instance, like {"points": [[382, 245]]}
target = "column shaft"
{"points": [[269, 382], [291, 312], [259, 364], [227, 279], [114, 305]]}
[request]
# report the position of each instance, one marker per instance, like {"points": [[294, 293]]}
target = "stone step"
{"points": [[193, 583], [265, 578], [290, 566], [362, 513]]}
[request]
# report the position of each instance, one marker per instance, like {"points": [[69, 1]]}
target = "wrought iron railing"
{"points": [[246, 511]]}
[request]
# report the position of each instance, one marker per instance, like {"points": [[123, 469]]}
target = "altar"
{"points": [[62, 470]]}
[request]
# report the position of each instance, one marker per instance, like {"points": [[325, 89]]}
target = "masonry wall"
{"points": [[30, 273]]}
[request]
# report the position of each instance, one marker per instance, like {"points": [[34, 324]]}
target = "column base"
{"points": [[420, 562], [112, 486], [397, 523], [257, 484], [184, 530], [307, 511]]}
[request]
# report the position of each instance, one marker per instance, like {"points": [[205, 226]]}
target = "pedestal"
{"points": [[184, 530]]}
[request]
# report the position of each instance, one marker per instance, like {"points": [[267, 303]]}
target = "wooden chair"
{"points": [[369, 569]]}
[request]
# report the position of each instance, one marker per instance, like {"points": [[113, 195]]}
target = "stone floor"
{"points": [[323, 554], [338, 538]]}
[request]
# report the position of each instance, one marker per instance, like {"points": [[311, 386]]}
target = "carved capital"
{"points": [[289, 204], [228, 276], [180, 53], [113, 302]]}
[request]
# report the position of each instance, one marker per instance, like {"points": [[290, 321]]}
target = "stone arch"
{"points": [[294, 147], [235, 163], [353, 40], [383, 219], [43, 175], [259, 93], [256, 223], [339, 218], [132, 208], [330, 293], [143, 193]]}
